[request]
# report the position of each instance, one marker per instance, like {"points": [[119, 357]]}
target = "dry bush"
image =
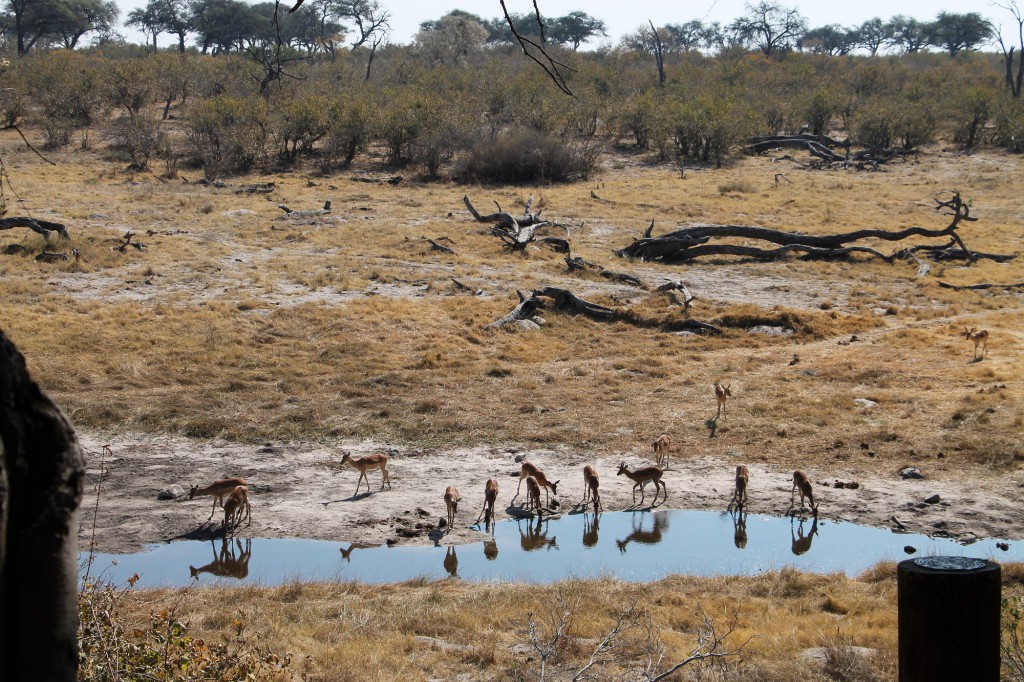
{"points": [[526, 156]]}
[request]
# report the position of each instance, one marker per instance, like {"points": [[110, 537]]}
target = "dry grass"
{"points": [[239, 322], [448, 629]]}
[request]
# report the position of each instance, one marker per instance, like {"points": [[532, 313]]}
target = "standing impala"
{"points": [[451, 501], [661, 446], [218, 490], [364, 464], [590, 483], [531, 469], [490, 496], [739, 495], [642, 476], [978, 337], [721, 393], [802, 482]]}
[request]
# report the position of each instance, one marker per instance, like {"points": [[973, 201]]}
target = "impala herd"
{"points": [[233, 493]]}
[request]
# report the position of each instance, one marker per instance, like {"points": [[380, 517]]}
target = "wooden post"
{"points": [[949, 610]]}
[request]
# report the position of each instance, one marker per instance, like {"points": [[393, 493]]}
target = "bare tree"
{"points": [[1013, 81], [770, 26]]}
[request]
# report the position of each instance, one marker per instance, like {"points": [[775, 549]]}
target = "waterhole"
{"points": [[634, 546]]}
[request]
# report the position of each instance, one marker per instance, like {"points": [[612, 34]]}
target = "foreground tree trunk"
{"points": [[41, 471]]}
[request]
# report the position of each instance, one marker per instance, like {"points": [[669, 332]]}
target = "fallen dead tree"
{"points": [[696, 242], [563, 300], [821, 147], [518, 232], [43, 227]]}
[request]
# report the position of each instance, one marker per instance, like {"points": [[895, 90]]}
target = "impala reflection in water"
{"points": [[634, 546], [228, 563]]}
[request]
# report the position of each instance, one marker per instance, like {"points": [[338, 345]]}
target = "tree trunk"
{"points": [[41, 472]]}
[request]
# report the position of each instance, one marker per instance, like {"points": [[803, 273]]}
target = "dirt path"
{"points": [[299, 490]]}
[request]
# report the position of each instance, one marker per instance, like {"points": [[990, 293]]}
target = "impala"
{"points": [[590, 484], [739, 495], [802, 482], [451, 501], [642, 476], [979, 338], [218, 490], [364, 464], [533, 494], [490, 496], [531, 469], [235, 505], [721, 393], [661, 445]]}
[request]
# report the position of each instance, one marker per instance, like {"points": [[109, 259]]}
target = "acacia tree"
{"points": [[959, 32], [576, 28], [906, 34], [769, 26], [830, 40], [871, 35]]}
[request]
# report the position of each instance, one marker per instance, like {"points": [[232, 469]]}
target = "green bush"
{"points": [[228, 134], [526, 156], [67, 92], [706, 127], [1009, 128], [300, 123], [349, 129]]}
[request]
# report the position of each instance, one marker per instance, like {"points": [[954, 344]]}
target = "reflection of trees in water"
{"points": [[645, 537], [535, 537], [801, 542], [228, 563]]}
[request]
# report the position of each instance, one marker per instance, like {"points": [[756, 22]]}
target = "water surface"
{"points": [[633, 546]]}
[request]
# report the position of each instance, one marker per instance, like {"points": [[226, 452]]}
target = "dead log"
{"points": [[43, 227], [577, 264], [50, 257], [568, 302], [256, 188], [503, 218], [984, 286], [127, 241], [524, 311], [672, 287], [693, 242], [435, 245]]}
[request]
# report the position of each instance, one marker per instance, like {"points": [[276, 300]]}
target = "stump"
{"points": [[949, 609]]}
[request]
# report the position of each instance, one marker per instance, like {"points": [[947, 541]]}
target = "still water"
{"points": [[634, 546]]}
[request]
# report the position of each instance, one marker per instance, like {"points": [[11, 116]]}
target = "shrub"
{"points": [[525, 156], [1009, 129], [110, 648], [707, 126], [228, 134], [300, 123], [349, 128], [66, 88], [141, 137], [971, 109]]}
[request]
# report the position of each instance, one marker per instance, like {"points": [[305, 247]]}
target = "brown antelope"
{"points": [[533, 494], [721, 393], [661, 446], [531, 469], [490, 496], [227, 564], [451, 500], [802, 482], [218, 490], [364, 464], [235, 506], [979, 338], [590, 484], [739, 495], [643, 476]]}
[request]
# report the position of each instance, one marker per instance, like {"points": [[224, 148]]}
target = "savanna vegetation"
{"points": [[233, 319]]}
